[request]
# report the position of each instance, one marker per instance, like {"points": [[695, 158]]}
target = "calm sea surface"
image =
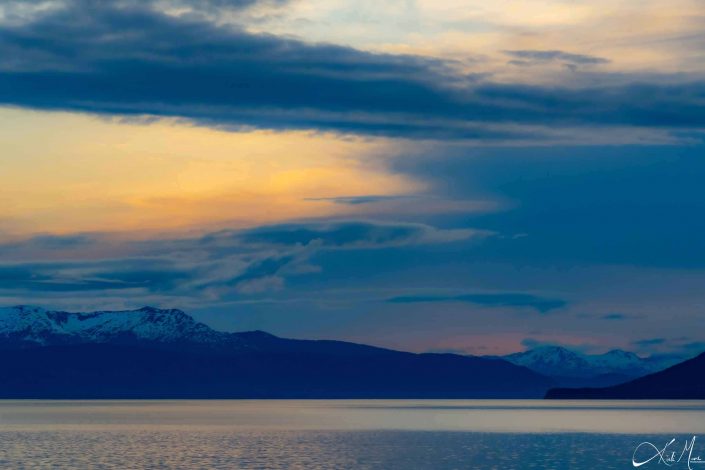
{"points": [[394, 434]]}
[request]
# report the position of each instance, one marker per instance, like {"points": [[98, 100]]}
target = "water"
{"points": [[332, 434]]}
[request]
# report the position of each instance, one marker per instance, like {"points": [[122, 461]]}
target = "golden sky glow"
{"points": [[633, 35], [80, 173]]}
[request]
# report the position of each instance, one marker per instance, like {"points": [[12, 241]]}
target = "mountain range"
{"points": [[573, 369], [684, 381], [155, 353], [165, 353]]}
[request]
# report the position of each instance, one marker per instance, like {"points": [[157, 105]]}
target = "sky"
{"points": [[426, 175]]}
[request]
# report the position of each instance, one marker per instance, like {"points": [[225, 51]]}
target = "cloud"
{"points": [[510, 299], [537, 57], [354, 234], [357, 200], [134, 61], [129, 60], [146, 274], [615, 316], [210, 5], [678, 347], [16, 9], [644, 343], [262, 284], [49, 242], [216, 264]]}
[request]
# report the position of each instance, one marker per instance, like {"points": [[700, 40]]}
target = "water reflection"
{"points": [[524, 416], [337, 434]]}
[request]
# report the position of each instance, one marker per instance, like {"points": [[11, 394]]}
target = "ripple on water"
{"points": [[221, 449]]}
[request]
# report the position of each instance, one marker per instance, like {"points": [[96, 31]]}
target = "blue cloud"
{"points": [[539, 304], [351, 234], [614, 316], [357, 200], [132, 61], [191, 6], [533, 57], [649, 342], [223, 260], [102, 275], [49, 242], [338, 235]]}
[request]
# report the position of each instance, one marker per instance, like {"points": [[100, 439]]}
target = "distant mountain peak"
{"points": [[551, 349], [257, 334], [149, 308], [620, 353], [550, 360], [557, 361], [546, 352]]}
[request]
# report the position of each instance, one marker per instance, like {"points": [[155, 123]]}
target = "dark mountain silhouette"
{"points": [[153, 353], [602, 380], [683, 381]]}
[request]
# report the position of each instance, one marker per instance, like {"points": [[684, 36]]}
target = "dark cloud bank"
{"points": [[128, 59]]}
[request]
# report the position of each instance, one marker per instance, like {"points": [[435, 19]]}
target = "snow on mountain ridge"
{"points": [[559, 361], [37, 325], [550, 360], [617, 359]]}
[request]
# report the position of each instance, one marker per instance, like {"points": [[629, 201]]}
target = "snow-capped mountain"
{"points": [[153, 353], [36, 326], [556, 361], [552, 361], [618, 360], [25, 327]]}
